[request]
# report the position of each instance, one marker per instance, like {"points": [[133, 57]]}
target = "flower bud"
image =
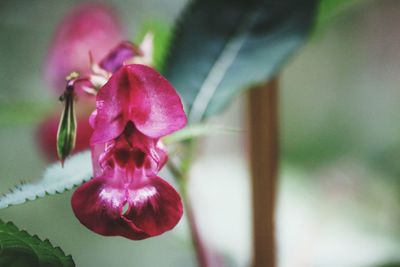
{"points": [[66, 134]]}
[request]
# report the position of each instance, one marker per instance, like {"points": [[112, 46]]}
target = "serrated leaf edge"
{"points": [[35, 238], [25, 192]]}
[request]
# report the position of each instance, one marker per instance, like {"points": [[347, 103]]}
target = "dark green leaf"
{"points": [[222, 47], [389, 264], [20, 249]]}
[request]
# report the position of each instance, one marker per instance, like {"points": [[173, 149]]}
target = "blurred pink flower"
{"points": [[87, 28], [135, 108]]}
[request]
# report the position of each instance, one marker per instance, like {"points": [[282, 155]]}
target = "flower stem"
{"points": [[264, 156], [198, 244], [181, 176]]}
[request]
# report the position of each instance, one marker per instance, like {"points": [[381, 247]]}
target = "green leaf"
{"points": [[389, 264], [20, 249], [198, 130], [221, 47], [162, 37], [329, 9], [56, 179]]}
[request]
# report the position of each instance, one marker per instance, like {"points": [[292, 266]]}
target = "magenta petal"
{"points": [[116, 58], [155, 207], [139, 94], [89, 27], [135, 211]]}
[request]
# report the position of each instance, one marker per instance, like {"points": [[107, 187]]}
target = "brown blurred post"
{"points": [[264, 155]]}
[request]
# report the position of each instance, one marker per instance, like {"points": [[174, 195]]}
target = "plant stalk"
{"points": [[198, 243], [264, 161], [181, 176]]}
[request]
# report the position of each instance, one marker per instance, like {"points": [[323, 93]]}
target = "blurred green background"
{"points": [[339, 193]]}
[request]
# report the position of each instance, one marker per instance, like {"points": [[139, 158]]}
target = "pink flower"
{"points": [[134, 109], [88, 28]]}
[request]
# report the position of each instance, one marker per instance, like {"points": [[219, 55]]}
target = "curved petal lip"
{"points": [[107, 207]]}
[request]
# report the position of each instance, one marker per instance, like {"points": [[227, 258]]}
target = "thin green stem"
{"points": [[181, 176]]}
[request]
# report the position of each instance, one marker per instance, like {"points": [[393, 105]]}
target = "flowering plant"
{"points": [[134, 109], [120, 110]]}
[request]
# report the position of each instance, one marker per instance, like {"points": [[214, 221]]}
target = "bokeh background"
{"points": [[339, 189]]}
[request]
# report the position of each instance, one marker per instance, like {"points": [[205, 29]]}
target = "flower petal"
{"points": [[135, 211], [139, 94], [116, 58], [89, 27], [155, 207]]}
